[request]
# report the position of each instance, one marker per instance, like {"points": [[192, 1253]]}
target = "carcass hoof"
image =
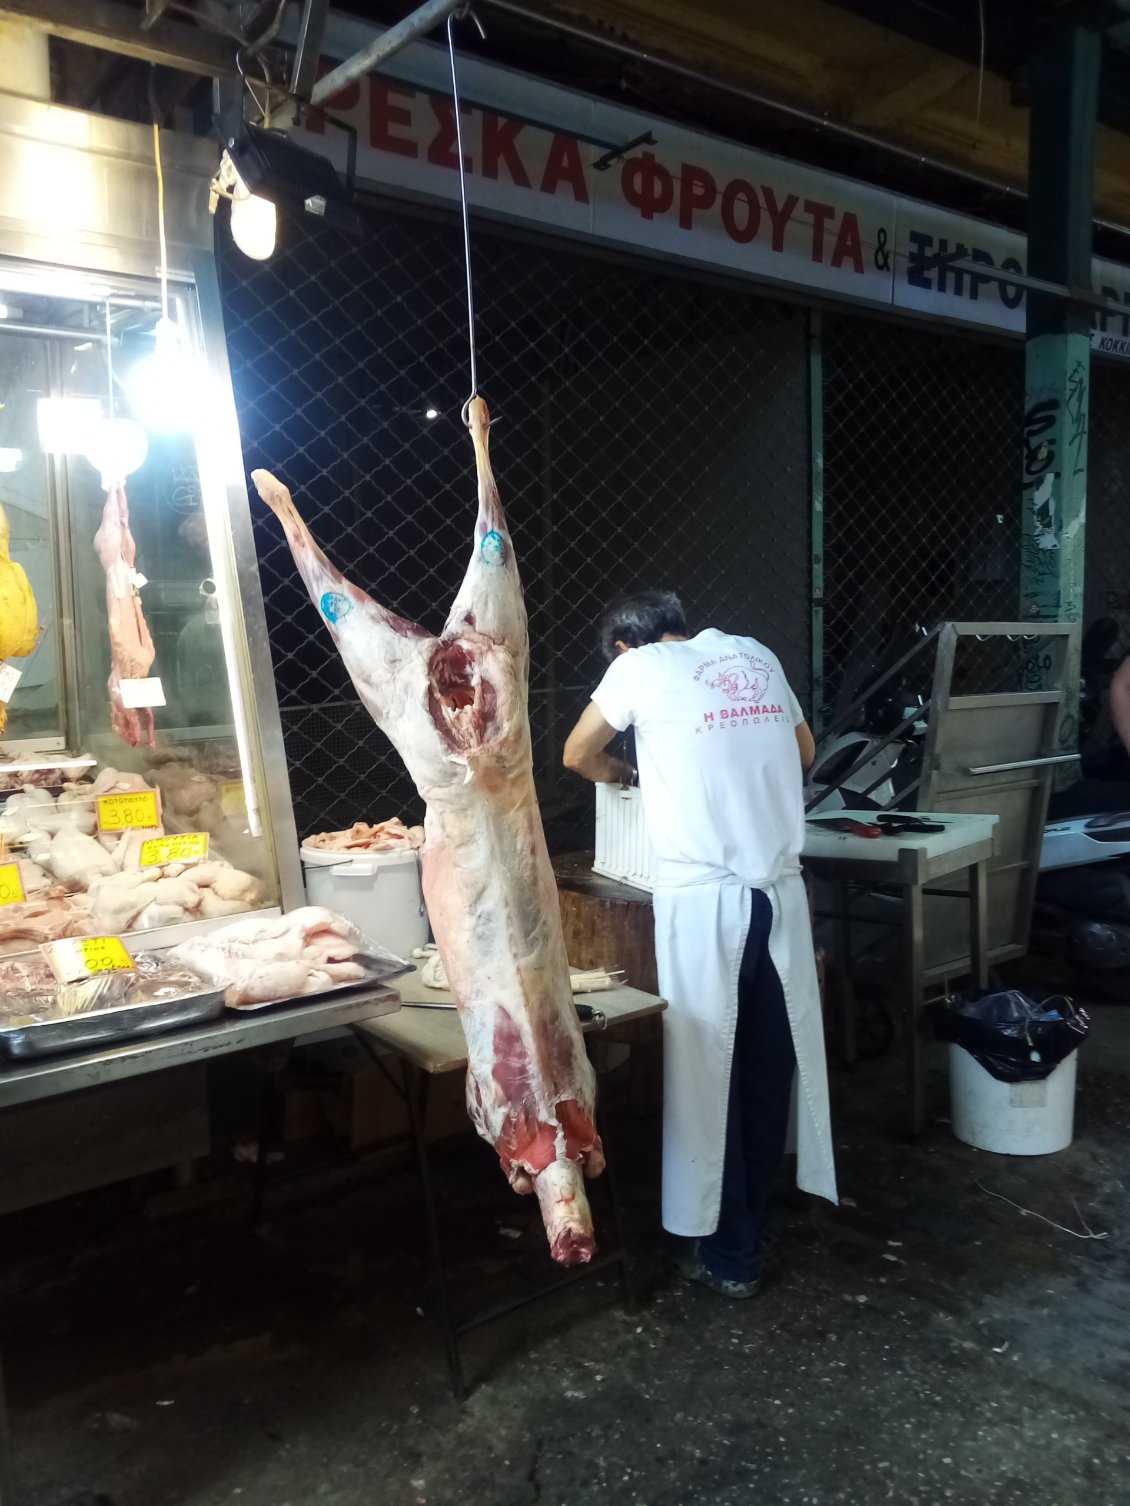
{"points": [[572, 1248]]}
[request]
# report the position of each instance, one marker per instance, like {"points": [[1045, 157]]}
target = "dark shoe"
{"points": [[692, 1267]]}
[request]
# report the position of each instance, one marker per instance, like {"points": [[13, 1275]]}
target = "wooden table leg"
{"points": [[914, 962], [979, 923]]}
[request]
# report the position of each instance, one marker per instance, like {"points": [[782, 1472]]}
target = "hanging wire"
{"points": [[466, 212], [110, 356], [161, 221]]}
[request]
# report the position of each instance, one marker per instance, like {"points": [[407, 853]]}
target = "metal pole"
{"points": [[311, 30], [431, 14], [1053, 496]]}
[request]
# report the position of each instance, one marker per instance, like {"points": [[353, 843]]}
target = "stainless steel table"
{"points": [[22, 1082], [907, 863]]}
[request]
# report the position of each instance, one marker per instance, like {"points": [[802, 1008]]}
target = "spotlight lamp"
{"points": [[263, 173]]}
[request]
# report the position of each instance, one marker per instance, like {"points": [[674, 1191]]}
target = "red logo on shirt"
{"points": [[747, 685]]}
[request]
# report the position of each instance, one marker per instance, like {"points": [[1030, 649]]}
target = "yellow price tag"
{"points": [[233, 801], [135, 811], [11, 888], [184, 847], [75, 958]]}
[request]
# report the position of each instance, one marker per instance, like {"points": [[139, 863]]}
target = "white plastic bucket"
{"points": [[1012, 1118], [378, 891]]}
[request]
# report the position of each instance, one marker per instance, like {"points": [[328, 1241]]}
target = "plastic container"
{"points": [[623, 847], [1012, 1118], [378, 891]]}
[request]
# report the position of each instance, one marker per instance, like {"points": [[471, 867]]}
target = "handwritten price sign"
{"points": [[135, 811], [11, 889], [76, 958], [185, 847]]}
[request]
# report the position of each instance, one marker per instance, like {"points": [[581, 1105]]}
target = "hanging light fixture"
{"points": [[254, 220], [263, 172], [164, 387]]}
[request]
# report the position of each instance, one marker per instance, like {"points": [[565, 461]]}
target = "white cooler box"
{"points": [[623, 847], [378, 891]]}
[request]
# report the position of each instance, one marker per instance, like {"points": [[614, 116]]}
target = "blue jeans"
{"points": [[757, 1119]]}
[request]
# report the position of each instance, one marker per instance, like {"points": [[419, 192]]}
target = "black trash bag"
{"points": [[1017, 1037]]}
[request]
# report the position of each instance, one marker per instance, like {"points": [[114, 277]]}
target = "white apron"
{"points": [[700, 935]]}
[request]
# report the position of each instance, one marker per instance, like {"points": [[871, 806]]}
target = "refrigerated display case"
{"points": [[148, 678]]}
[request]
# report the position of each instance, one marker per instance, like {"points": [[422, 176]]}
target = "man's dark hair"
{"points": [[641, 618]]}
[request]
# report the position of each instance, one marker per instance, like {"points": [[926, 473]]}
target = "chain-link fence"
{"points": [[651, 430], [921, 490], [1106, 592], [1107, 581]]}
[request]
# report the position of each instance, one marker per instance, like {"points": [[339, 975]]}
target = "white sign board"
{"points": [[689, 195]]}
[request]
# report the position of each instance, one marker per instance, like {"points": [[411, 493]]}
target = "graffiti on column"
{"points": [[1077, 418], [1038, 492]]}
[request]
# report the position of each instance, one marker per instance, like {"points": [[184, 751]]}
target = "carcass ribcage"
{"points": [[455, 707]]}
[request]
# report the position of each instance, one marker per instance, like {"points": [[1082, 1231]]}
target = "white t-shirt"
{"points": [[720, 773]]}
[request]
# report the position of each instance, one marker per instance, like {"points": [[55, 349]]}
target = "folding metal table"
{"points": [[428, 1040], [908, 863]]}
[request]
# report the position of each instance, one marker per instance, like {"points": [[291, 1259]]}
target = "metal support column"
{"points": [[1061, 169], [816, 460]]}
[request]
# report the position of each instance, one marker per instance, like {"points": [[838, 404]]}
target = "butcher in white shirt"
{"points": [[721, 744]]}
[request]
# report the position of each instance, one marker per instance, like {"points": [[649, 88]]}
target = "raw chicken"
{"points": [[386, 836], [117, 905], [276, 957], [37, 882], [212, 907], [30, 925], [156, 915], [227, 883], [75, 858], [131, 646], [117, 782], [456, 710]]}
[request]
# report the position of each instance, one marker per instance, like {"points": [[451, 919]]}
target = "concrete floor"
{"points": [[927, 1343]]}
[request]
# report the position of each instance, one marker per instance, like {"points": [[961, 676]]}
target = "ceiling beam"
{"points": [[114, 27], [876, 108]]}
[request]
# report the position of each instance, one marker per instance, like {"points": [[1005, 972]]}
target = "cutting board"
{"points": [[413, 990]]}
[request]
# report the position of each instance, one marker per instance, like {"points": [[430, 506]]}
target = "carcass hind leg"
{"points": [[565, 1212]]}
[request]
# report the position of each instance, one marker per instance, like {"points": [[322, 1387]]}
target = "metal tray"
{"points": [[102, 1027], [379, 970]]}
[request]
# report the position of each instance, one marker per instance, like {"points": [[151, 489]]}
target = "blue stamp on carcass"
{"points": [[335, 606], [492, 549]]}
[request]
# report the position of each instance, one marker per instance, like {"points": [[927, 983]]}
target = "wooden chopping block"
{"points": [[606, 924]]}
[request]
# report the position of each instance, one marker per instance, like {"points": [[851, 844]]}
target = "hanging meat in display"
{"points": [[131, 646], [455, 708]]}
